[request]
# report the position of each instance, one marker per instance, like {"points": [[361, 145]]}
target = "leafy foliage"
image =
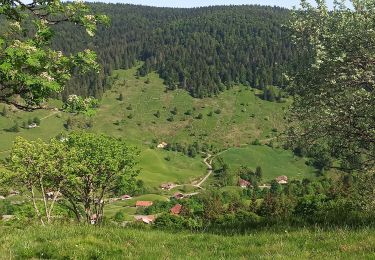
{"points": [[29, 67], [334, 96]]}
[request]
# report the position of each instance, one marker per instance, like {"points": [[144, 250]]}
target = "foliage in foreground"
{"points": [[334, 106], [85, 242], [78, 171], [29, 67]]}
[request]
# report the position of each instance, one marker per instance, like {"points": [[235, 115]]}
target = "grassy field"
{"points": [[243, 118], [274, 162], [75, 242], [243, 115]]}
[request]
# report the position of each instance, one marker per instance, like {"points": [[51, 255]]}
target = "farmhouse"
{"points": [[14, 192], [33, 125], [143, 204], [244, 183], [162, 145], [145, 219], [167, 186], [176, 209], [282, 179], [126, 197], [178, 195]]}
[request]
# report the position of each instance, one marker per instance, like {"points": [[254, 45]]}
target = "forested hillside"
{"points": [[202, 50]]}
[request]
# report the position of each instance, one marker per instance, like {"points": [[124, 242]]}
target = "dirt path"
{"points": [[53, 113], [207, 161]]}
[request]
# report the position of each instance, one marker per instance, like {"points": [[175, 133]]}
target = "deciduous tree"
{"points": [[334, 98], [30, 70]]}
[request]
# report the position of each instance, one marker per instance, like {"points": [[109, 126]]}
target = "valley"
{"points": [[243, 118]]}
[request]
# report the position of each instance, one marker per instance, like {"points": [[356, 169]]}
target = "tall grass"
{"points": [[86, 242]]}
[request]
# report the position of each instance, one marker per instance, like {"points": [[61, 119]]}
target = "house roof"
{"points": [[176, 209], [282, 178], [244, 183], [178, 195], [143, 203], [145, 219]]}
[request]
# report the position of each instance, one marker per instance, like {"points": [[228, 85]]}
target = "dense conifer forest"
{"points": [[202, 50]]}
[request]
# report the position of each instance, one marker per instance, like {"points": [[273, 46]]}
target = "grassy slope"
{"points": [[114, 243], [234, 126], [244, 117], [274, 162]]}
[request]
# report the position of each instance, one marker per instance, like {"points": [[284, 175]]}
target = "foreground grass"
{"points": [[114, 243]]}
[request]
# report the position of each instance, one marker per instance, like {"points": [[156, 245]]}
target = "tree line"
{"points": [[202, 50]]}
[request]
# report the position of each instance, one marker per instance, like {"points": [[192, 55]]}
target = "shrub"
{"points": [[36, 120], [15, 128], [157, 114], [256, 142], [119, 216]]}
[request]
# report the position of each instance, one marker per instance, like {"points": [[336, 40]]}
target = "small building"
{"points": [[244, 183], [282, 179], [162, 145], [93, 219], [126, 197], [14, 192], [145, 219], [50, 194], [143, 204], [7, 217], [167, 186], [33, 125], [178, 195], [176, 210]]}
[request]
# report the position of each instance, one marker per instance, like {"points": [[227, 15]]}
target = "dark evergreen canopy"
{"points": [[202, 50]]}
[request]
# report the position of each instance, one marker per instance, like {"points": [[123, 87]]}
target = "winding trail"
{"points": [[207, 161]]}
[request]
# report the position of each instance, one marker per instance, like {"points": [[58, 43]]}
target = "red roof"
{"points": [[176, 209], [143, 203], [244, 183]]}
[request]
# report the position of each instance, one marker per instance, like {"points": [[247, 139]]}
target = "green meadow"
{"points": [[85, 242], [234, 118], [274, 161]]}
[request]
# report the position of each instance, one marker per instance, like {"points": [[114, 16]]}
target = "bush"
{"points": [[15, 128], [256, 142], [157, 114], [119, 216], [167, 221], [36, 120], [218, 111], [199, 116]]}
